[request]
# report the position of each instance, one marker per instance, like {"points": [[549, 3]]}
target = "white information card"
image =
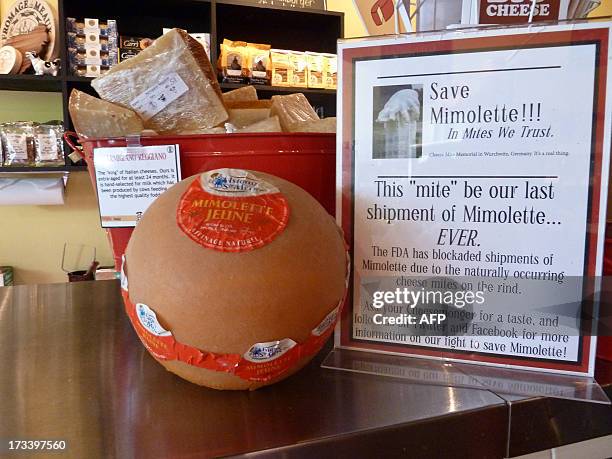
{"points": [[128, 179]]}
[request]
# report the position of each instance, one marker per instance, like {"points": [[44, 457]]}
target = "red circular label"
{"points": [[232, 211]]}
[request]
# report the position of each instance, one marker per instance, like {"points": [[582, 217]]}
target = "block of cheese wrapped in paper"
{"points": [[246, 116], [292, 110], [325, 125], [93, 117], [268, 125], [243, 94], [171, 85]]}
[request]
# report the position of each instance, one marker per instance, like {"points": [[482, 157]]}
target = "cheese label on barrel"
{"points": [[232, 210]]}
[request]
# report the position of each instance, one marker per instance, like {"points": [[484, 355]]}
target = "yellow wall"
{"points": [[605, 9], [32, 237], [353, 25], [30, 106]]}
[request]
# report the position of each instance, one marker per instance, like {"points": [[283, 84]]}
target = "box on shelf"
{"points": [[91, 56], [137, 43], [132, 46], [331, 71], [282, 69], [80, 43], [300, 69], [92, 46], [316, 70], [92, 26]]}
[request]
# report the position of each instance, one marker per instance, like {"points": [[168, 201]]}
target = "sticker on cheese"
{"points": [[150, 102], [325, 325], [245, 270], [232, 210], [148, 320], [266, 352]]}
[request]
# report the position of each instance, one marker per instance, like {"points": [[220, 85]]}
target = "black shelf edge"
{"points": [[17, 169], [273, 7], [30, 83], [290, 89], [78, 79]]}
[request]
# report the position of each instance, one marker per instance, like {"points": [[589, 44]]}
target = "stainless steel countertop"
{"points": [[72, 368]]}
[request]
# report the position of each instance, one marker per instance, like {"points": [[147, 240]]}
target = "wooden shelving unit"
{"points": [[298, 29]]}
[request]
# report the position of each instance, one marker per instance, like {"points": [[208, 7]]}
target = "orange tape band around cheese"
{"points": [[262, 362]]}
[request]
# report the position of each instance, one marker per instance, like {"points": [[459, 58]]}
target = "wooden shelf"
{"points": [[30, 83], [266, 88]]}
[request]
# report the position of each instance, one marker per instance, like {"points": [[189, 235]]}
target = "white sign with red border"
{"points": [[481, 157]]}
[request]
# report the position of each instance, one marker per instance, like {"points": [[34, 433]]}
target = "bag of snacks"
{"points": [[48, 144], [17, 143], [259, 63], [234, 61]]}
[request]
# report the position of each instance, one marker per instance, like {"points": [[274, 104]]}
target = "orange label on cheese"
{"points": [[232, 210]]}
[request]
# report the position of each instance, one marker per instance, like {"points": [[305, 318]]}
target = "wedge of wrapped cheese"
{"points": [[292, 110], [93, 117], [243, 117], [235, 104], [327, 125], [243, 94], [171, 85], [268, 125]]}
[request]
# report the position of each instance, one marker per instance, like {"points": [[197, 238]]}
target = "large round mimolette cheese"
{"points": [[243, 267]]}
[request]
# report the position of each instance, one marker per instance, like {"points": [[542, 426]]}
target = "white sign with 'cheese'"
{"points": [[128, 180]]}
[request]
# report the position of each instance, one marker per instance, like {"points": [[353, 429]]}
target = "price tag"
{"points": [[129, 180], [155, 99]]}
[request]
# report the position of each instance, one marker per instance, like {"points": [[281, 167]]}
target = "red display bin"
{"points": [[604, 343], [306, 159]]}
